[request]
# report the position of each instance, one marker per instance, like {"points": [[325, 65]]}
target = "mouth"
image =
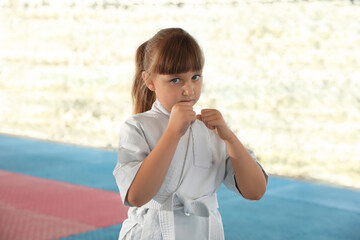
{"points": [[185, 100]]}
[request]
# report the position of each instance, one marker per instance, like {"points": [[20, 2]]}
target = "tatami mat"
{"points": [[58, 191]]}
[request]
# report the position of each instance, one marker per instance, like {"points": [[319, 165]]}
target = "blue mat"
{"points": [[290, 209], [67, 163]]}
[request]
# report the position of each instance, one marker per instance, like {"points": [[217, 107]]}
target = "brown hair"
{"points": [[170, 51]]}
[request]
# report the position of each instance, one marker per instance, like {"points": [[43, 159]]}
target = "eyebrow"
{"points": [[178, 74]]}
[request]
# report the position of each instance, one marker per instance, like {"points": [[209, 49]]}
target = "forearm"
{"points": [[249, 177], [152, 172]]}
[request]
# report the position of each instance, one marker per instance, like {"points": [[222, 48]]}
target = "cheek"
{"points": [[199, 88], [169, 95]]}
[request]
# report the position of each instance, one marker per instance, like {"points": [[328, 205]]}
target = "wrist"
{"points": [[232, 138], [172, 134]]}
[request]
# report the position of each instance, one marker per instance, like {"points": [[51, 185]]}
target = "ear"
{"points": [[148, 80]]}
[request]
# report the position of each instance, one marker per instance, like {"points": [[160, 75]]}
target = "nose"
{"points": [[188, 88]]}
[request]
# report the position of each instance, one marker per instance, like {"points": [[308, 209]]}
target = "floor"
{"points": [[58, 191]]}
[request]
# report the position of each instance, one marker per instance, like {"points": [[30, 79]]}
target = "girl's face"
{"points": [[175, 88]]}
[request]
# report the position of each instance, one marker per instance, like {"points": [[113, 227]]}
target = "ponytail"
{"points": [[142, 96]]}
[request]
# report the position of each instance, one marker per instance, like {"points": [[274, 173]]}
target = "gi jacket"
{"points": [[185, 206]]}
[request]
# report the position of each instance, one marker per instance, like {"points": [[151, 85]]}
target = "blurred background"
{"points": [[285, 74]]}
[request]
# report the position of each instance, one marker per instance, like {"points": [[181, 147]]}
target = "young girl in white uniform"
{"points": [[171, 162]]}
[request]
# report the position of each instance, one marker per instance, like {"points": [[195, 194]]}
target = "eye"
{"points": [[196, 77], [175, 80]]}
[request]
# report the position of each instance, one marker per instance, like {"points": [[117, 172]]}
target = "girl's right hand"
{"points": [[181, 117]]}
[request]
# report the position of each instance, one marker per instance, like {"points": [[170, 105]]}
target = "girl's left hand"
{"points": [[214, 120]]}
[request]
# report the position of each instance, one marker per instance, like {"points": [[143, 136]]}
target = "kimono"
{"points": [[185, 207]]}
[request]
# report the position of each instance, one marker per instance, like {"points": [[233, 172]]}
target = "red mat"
{"points": [[37, 208]]}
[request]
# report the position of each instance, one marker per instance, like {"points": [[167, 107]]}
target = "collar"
{"points": [[158, 107]]}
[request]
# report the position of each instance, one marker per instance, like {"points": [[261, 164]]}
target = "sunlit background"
{"points": [[285, 74]]}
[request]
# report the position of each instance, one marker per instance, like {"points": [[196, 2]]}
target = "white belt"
{"points": [[199, 207]]}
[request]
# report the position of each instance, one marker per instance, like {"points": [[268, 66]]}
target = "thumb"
{"points": [[198, 117]]}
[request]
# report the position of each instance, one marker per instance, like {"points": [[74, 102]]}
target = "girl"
{"points": [[171, 161]]}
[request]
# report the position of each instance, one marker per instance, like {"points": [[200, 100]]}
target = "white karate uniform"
{"points": [[185, 206]]}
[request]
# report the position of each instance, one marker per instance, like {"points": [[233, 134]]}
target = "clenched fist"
{"points": [[214, 120], [182, 116]]}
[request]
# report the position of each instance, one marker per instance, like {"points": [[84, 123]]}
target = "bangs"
{"points": [[178, 54]]}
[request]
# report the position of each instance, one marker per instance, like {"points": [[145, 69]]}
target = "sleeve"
{"points": [[132, 150], [229, 180]]}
